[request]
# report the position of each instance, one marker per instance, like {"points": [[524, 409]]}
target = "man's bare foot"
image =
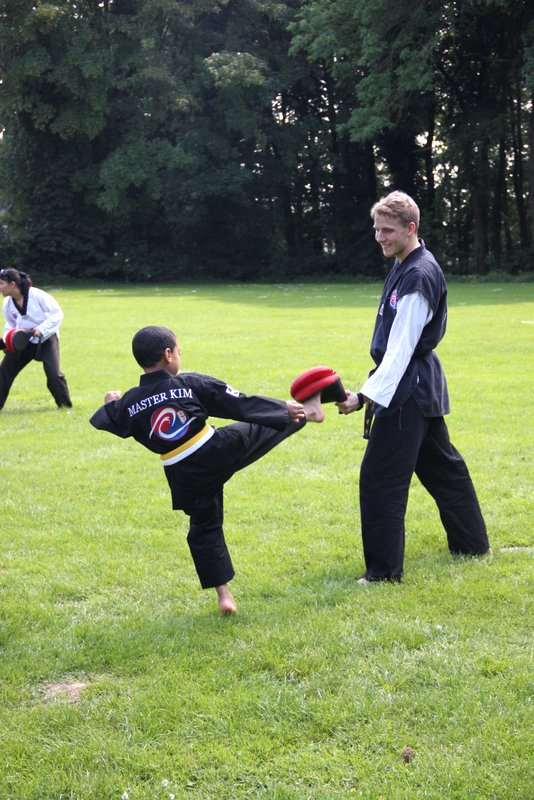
{"points": [[227, 604], [313, 408]]}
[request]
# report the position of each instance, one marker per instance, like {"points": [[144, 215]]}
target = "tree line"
{"points": [[248, 139]]}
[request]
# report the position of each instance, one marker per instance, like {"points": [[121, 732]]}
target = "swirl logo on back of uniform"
{"points": [[169, 423]]}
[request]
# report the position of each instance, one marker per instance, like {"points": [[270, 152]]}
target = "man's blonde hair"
{"points": [[397, 205]]}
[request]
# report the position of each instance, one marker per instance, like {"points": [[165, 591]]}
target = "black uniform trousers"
{"points": [[197, 488], [48, 353], [400, 444]]}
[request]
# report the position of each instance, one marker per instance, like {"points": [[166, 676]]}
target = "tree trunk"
{"points": [[479, 195], [499, 201], [517, 170], [531, 168]]}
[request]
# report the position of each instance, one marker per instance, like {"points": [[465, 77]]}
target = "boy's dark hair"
{"points": [[149, 344]]}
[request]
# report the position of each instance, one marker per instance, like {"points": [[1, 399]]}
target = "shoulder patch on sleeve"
{"points": [[233, 392]]}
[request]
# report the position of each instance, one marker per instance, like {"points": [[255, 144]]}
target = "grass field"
{"points": [[118, 677]]}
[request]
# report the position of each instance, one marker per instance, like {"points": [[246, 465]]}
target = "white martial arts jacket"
{"points": [[42, 312]]}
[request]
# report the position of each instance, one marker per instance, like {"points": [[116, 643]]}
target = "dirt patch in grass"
{"points": [[68, 691], [408, 754]]}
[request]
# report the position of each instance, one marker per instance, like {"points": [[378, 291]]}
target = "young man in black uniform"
{"points": [[408, 391], [168, 412]]}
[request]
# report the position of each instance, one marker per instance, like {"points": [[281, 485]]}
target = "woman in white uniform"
{"points": [[28, 308]]}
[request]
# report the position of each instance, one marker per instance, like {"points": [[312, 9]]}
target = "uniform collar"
{"points": [[410, 256], [154, 377]]}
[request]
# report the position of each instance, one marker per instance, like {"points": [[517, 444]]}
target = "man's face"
{"points": [[395, 237]]}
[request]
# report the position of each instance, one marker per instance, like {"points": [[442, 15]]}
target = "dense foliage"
{"points": [[247, 139]]}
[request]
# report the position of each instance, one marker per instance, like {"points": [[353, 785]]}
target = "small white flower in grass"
{"points": [[124, 796], [171, 797], [164, 782]]}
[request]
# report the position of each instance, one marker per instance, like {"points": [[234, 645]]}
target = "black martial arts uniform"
{"points": [[168, 415], [410, 434]]}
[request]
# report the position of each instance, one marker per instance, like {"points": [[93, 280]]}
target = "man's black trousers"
{"points": [[400, 444]]}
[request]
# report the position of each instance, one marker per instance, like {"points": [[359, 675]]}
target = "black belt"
{"points": [[370, 409]]}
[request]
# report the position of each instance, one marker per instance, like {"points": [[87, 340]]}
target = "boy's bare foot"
{"points": [[313, 408], [227, 604]]}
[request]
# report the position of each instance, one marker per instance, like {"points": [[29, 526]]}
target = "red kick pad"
{"points": [[16, 339], [318, 379]]}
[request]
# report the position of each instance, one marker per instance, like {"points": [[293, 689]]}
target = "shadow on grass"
{"points": [[21, 410]]}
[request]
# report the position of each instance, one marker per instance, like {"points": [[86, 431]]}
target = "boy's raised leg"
{"points": [[313, 408]]}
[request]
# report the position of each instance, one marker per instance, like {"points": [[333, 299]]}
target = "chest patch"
{"points": [[393, 299]]}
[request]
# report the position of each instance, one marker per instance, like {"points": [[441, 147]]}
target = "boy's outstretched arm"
{"points": [[109, 397], [296, 411], [108, 417]]}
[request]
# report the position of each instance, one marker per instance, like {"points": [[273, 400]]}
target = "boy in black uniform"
{"points": [[167, 413], [408, 389]]}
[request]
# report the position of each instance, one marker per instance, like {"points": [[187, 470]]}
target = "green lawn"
{"points": [[119, 678]]}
